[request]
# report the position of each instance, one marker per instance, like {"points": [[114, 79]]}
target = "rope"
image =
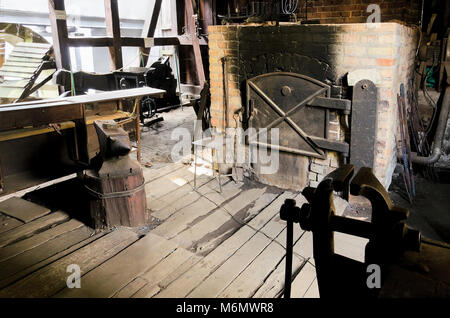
{"points": [[112, 195]]}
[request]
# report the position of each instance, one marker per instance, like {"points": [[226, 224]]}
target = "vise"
{"points": [[393, 247]]}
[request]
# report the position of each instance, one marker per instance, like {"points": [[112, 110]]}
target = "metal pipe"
{"points": [[439, 136]]}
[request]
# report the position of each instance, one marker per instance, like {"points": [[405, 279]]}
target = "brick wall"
{"points": [[386, 51], [355, 11]]}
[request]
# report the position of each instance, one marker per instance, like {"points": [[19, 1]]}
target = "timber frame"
{"points": [[185, 17]]}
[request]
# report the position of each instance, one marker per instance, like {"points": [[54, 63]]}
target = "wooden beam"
{"points": [[195, 42], [149, 28], [206, 14], [113, 30], [129, 41], [57, 14]]}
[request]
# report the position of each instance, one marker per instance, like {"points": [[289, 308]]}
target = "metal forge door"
{"points": [[299, 107]]}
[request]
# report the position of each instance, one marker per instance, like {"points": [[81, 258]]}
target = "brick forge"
{"points": [[383, 53]]}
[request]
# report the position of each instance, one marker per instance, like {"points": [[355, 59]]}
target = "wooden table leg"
{"points": [[138, 132]]}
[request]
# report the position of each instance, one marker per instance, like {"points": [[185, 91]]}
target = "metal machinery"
{"points": [[411, 266], [159, 76]]}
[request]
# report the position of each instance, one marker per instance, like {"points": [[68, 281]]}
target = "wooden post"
{"points": [[206, 13], [2, 52], [58, 23], [138, 131], [149, 29], [113, 30], [195, 42]]}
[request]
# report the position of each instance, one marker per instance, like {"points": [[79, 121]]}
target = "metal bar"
{"points": [[288, 149]]}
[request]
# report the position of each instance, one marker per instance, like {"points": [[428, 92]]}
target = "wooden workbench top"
{"points": [[85, 99]]}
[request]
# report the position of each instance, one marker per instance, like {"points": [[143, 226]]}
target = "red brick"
{"points": [[385, 62]]}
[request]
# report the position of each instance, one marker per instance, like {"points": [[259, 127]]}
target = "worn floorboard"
{"points": [[108, 278], [206, 243], [22, 209], [52, 278], [28, 229]]}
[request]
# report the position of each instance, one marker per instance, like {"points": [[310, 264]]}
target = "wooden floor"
{"points": [[199, 243]]}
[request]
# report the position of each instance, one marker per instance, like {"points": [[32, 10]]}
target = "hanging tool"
{"points": [[403, 154], [407, 137]]}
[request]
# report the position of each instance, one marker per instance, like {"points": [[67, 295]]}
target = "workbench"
{"points": [[47, 139]]}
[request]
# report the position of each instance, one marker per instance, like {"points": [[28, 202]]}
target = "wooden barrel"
{"points": [[117, 193]]}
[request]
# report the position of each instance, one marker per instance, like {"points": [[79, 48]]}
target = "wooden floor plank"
{"points": [[162, 270], [217, 227], [8, 223], [111, 276], [186, 217], [166, 205], [200, 271], [35, 226], [52, 278], [350, 246], [168, 183], [236, 264], [313, 290], [16, 277], [38, 239], [35, 255], [302, 282], [248, 282], [179, 271], [194, 276], [153, 174], [131, 288], [227, 272], [274, 284], [22, 209]]}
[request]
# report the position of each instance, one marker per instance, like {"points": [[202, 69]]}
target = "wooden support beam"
{"points": [[128, 41], [191, 30], [206, 14], [149, 28], [113, 30], [57, 14]]}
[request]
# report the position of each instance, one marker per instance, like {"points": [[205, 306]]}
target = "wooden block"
{"points": [[43, 251], [111, 276], [50, 279], [38, 239], [35, 226], [22, 210], [8, 223]]}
